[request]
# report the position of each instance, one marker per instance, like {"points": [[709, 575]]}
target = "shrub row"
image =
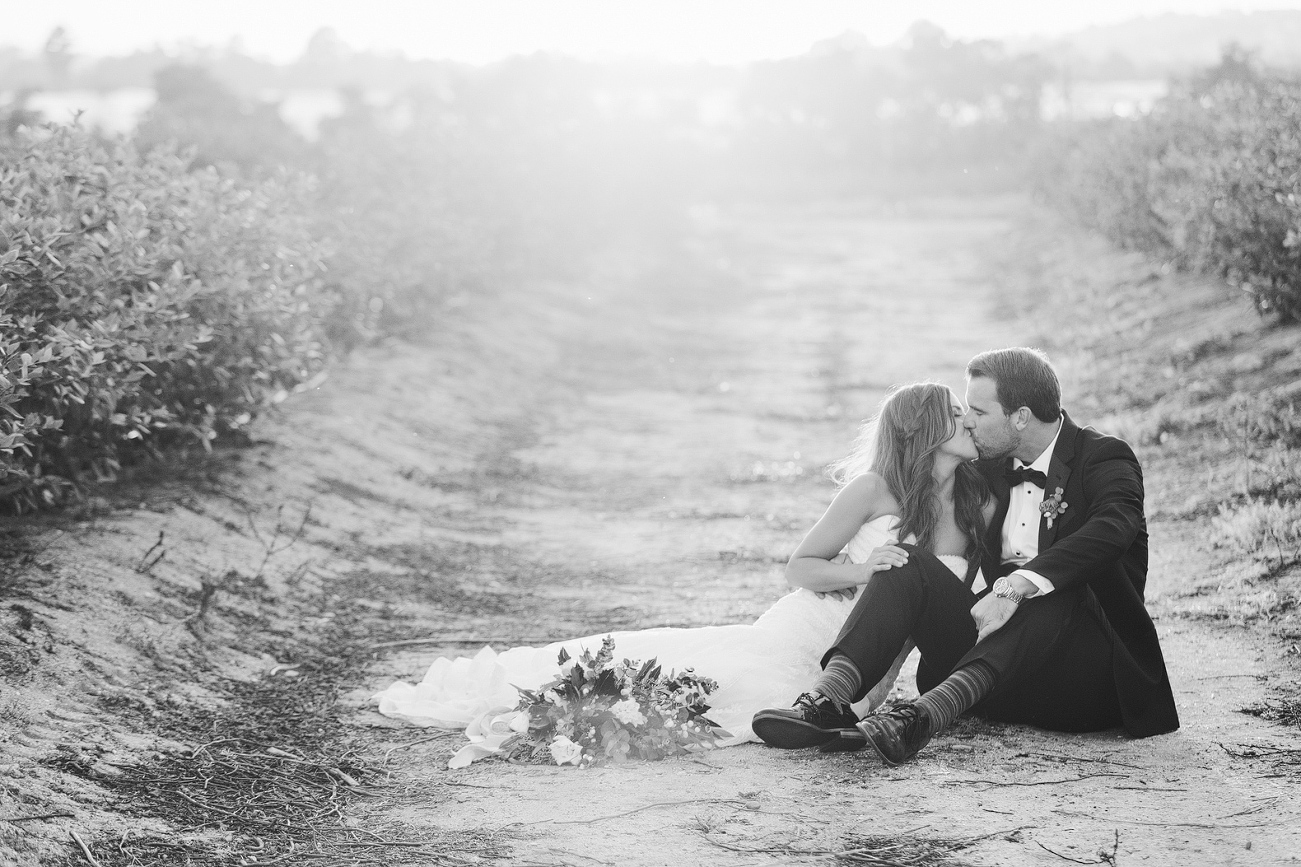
{"points": [[1208, 180], [141, 301]]}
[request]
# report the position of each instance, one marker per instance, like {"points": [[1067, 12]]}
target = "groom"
{"points": [[1060, 640]]}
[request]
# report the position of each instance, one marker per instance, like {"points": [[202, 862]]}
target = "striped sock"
{"points": [[957, 693], [839, 681]]}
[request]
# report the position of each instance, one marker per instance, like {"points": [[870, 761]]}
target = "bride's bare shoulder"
{"points": [[871, 494]]}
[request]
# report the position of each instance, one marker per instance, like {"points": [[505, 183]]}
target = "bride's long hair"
{"points": [[899, 444]]}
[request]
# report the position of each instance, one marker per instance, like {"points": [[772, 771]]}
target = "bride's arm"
{"points": [[812, 567]]}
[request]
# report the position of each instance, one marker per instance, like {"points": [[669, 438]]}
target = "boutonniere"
{"points": [[1053, 506]]}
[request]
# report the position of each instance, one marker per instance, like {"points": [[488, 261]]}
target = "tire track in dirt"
{"points": [[660, 476]]}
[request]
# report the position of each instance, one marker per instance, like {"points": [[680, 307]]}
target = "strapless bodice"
{"points": [[875, 533], [883, 530]]}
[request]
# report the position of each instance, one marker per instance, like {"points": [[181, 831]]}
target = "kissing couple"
{"points": [[1048, 626], [995, 535]]}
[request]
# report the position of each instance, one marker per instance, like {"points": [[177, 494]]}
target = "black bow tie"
{"points": [[1025, 474]]}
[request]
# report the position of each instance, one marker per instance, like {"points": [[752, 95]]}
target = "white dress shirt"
{"points": [[1021, 526]]}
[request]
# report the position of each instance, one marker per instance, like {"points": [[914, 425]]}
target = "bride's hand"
{"points": [[885, 557], [882, 558]]}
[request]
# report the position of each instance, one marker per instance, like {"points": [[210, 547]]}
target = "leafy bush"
{"points": [[141, 300], [1210, 180]]}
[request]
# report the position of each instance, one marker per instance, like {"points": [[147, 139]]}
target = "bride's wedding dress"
{"points": [[764, 664]]}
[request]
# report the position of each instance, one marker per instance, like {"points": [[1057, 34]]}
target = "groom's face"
{"points": [[992, 429]]}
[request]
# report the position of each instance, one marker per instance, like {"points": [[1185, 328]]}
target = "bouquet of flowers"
{"points": [[599, 711]]}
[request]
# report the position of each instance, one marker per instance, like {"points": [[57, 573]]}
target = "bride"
{"points": [[908, 477]]}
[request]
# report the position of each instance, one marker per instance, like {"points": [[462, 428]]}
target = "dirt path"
{"points": [[660, 472]]}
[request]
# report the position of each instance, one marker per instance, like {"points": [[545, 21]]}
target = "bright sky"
{"points": [[479, 31]]}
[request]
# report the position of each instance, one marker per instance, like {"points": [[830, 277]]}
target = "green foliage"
{"points": [[1210, 180], [141, 301]]}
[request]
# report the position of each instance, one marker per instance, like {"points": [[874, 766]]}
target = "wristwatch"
{"points": [[1003, 589]]}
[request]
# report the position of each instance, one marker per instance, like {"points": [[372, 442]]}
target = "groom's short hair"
{"points": [[1022, 377]]}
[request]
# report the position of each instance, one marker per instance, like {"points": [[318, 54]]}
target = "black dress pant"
{"points": [[1052, 660]]}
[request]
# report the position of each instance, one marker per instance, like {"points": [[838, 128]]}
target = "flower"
{"points": [[565, 752], [1053, 506], [628, 712]]}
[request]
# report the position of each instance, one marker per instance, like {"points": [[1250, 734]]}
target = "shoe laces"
{"points": [[914, 718], [819, 702], [811, 700]]}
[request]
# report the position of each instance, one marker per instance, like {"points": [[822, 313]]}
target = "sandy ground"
{"points": [[638, 449], [682, 459]]}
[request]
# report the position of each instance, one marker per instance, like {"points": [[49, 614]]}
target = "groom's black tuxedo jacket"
{"points": [[1098, 547]]}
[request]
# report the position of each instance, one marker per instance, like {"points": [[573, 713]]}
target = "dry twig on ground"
{"points": [[150, 559], [1104, 857], [275, 545]]}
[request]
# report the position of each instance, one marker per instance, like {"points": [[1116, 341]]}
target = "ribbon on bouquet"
{"points": [[487, 734]]}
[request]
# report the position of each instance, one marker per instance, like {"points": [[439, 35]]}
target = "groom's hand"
{"points": [[990, 613]]}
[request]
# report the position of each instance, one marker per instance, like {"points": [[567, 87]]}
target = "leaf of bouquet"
{"points": [[607, 683], [649, 673], [606, 653], [564, 656]]}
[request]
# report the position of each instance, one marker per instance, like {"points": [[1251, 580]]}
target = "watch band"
{"points": [[1003, 589]]}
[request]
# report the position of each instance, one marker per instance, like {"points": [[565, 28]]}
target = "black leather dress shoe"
{"points": [[897, 734], [813, 721]]}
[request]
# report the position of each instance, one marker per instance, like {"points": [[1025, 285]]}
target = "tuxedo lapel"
{"points": [[1059, 471]]}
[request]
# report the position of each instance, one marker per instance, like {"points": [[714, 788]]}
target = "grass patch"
{"points": [[904, 851]]}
